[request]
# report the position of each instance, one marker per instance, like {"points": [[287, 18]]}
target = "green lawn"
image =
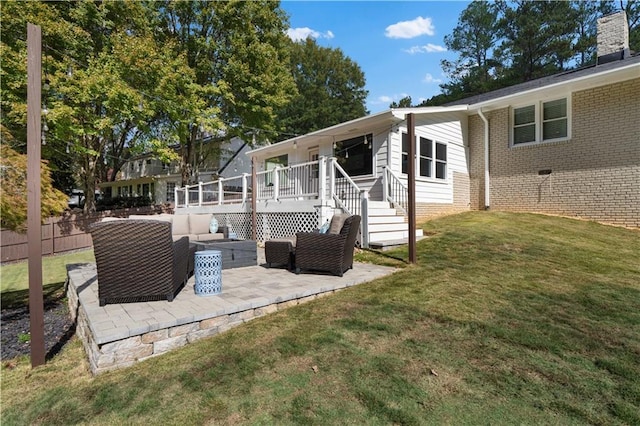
{"points": [[506, 319], [15, 276]]}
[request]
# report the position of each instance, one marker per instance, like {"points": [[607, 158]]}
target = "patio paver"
{"points": [[246, 292]]}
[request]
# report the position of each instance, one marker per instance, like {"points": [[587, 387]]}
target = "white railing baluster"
{"points": [[276, 183], [322, 180], [244, 187], [332, 178]]}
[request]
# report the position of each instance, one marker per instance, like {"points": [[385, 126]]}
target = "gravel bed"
{"points": [[14, 328]]}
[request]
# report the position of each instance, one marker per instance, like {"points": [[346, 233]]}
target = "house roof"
{"points": [[578, 79], [590, 76], [373, 123]]}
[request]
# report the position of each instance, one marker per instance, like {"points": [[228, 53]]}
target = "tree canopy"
{"points": [[330, 89], [126, 77], [508, 42]]}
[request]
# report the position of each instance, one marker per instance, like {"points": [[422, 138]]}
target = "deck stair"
{"points": [[386, 224]]}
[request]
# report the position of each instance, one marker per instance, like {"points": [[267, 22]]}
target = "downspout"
{"points": [[487, 177]]}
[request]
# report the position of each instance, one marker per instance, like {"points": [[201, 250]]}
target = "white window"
{"points": [[171, 186], [429, 165], [541, 122]]}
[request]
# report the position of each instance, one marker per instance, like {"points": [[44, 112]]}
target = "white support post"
{"points": [[175, 196], [220, 192], [186, 195], [322, 180], [244, 187], [385, 184], [364, 222], [332, 178], [276, 183], [199, 194]]}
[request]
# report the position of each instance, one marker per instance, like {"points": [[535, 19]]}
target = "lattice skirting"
{"points": [[270, 225]]}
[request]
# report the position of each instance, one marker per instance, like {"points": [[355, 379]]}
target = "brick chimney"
{"points": [[613, 38]]}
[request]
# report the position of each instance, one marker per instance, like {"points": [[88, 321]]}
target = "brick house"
{"points": [[567, 144]]}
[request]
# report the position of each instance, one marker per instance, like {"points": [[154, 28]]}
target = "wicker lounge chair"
{"points": [[138, 261], [328, 252]]}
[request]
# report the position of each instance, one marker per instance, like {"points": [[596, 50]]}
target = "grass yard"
{"points": [[506, 319], [15, 276]]}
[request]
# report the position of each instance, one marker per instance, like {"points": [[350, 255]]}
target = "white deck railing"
{"points": [[322, 179], [233, 190]]}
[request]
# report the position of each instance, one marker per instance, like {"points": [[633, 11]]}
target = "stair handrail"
{"points": [[395, 191], [349, 204]]}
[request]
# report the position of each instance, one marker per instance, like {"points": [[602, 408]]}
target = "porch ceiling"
{"points": [[367, 124]]}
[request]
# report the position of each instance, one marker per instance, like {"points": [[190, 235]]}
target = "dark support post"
{"points": [[411, 184], [254, 195], [34, 233]]}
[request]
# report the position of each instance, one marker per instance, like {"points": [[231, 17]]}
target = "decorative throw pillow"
{"points": [[213, 225], [324, 228]]}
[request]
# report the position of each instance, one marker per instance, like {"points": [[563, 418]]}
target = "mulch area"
{"points": [[15, 325]]}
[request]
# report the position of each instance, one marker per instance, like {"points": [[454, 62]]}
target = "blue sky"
{"points": [[397, 44]]}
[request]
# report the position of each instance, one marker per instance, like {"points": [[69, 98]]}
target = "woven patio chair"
{"points": [[138, 261], [328, 252]]}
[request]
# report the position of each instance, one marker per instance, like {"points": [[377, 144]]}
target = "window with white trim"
{"points": [[171, 195], [428, 166], [540, 122]]}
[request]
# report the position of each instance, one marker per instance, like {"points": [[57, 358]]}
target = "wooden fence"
{"points": [[65, 233]]}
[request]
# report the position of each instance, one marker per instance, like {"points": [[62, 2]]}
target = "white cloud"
{"points": [[427, 48], [431, 79], [380, 100], [300, 34], [410, 29]]}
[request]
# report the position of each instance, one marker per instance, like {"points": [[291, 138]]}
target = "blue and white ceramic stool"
{"points": [[208, 272]]}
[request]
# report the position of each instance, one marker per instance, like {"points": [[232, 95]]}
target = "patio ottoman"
{"points": [[280, 251]]}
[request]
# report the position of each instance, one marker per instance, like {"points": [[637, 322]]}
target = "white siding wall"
{"points": [[443, 128]]}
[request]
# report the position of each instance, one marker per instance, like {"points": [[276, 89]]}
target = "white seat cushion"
{"points": [[180, 224]]}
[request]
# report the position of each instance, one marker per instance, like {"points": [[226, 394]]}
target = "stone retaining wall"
{"points": [[126, 352]]}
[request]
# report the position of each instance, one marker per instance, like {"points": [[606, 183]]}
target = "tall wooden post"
{"points": [[254, 198], [411, 184], [34, 227]]}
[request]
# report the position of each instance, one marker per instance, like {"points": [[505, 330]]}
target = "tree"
{"points": [[536, 38], [585, 43], [13, 181], [86, 92], [474, 38], [632, 9], [330, 89], [237, 53], [402, 103]]}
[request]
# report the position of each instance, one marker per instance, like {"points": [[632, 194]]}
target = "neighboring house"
{"points": [[145, 176], [148, 176], [567, 144]]}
